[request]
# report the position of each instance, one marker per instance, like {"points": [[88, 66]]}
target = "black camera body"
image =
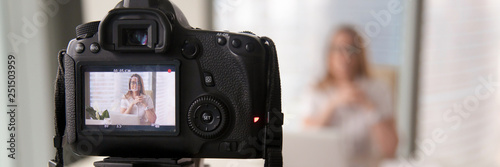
{"points": [[200, 94]]}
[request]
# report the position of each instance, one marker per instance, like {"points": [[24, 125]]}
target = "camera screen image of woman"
{"points": [[137, 102]]}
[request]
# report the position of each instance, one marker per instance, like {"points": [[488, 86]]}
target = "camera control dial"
{"points": [[207, 117]]}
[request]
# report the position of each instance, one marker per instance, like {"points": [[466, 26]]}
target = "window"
{"points": [[458, 83]]}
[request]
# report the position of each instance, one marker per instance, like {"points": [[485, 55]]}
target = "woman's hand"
{"points": [[353, 95], [384, 133], [151, 115], [325, 113], [139, 100], [348, 94]]}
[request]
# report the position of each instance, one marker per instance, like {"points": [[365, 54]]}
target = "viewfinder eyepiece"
{"points": [[135, 37], [135, 34], [135, 30]]}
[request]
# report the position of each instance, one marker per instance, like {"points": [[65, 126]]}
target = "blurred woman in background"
{"points": [[348, 98]]}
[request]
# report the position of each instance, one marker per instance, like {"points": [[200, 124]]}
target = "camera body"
{"points": [[143, 83]]}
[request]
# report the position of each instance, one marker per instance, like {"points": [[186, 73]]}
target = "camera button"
{"points": [[79, 48], [236, 43], [228, 146], [249, 47], [221, 41], [225, 146], [94, 47], [189, 49], [207, 117], [209, 79]]}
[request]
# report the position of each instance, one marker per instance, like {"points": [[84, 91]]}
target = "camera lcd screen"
{"points": [[130, 97]]}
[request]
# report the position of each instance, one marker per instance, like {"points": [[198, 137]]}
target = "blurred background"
{"points": [[437, 61]]}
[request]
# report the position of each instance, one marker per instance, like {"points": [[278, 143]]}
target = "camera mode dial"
{"points": [[87, 30], [207, 117]]}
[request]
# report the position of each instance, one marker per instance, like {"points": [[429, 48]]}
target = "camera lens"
{"points": [[136, 37]]}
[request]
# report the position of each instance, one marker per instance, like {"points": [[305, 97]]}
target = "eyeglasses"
{"points": [[347, 50]]}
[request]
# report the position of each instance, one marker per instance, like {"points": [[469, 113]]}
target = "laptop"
{"points": [[311, 148], [124, 119]]}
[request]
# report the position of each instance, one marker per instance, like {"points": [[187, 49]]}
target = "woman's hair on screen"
{"points": [[140, 84]]}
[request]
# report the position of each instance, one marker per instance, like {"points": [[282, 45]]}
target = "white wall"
{"points": [[195, 10], [33, 31]]}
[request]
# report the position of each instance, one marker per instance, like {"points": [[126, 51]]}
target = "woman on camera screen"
{"points": [[135, 101]]}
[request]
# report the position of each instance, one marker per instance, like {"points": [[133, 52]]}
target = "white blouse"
{"points": [[138, 109], [354, 122]]}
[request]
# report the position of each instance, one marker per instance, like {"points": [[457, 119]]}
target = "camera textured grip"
{"points": [[233, 83], [69, 77]]}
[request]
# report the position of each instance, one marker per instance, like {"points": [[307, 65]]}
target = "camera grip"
{"points": [[69, 79]]}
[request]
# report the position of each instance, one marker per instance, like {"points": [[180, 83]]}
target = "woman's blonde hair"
{"points": [[357, 54], [139, 82]]}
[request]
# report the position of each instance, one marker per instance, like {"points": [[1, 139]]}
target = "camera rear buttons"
{"points": [[221, 40], [242, 45], [209, 79], [236, 43], [207, 117], [94, 47], [228, 146], [249, 47], [79, 48], [189, 49]]}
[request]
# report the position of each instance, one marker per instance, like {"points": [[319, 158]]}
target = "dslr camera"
{"points": [[142, 83]]}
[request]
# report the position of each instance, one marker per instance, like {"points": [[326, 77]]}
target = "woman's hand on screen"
{"points": [[137, 100]]}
